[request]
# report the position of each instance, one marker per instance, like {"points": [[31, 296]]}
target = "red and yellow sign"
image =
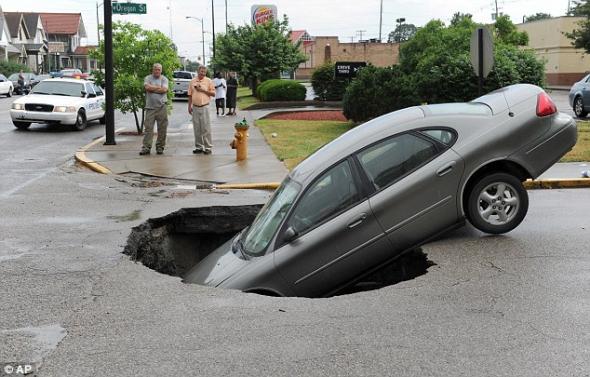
{"points": [[262, 14]]}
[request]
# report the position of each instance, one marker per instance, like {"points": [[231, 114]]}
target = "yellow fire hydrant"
{"points": [[240, 143]]}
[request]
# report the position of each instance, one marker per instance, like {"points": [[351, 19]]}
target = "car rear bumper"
{"points": [[559, 140]]}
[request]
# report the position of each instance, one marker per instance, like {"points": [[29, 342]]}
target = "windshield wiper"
{"points": [[62, 94], [45, 93], [238, 244]]}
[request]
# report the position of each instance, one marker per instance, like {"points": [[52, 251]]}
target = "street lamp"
{"points": [[399, 21], [202, 35]]}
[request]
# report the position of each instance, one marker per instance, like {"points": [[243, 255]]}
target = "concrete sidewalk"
{"points": [[178, 161], [261, 169]]}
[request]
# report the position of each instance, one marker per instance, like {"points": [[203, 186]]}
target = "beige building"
{"points": [[565, 65], [322, 49]]}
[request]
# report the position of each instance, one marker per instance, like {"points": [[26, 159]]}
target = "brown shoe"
{"points": [[144, 152]]}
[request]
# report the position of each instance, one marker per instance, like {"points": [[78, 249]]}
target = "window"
{"points": [[333, 192], [98, 90], [391, 159], [444, 136]]}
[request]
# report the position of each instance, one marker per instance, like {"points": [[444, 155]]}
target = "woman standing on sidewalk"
{"points": [[232, 95]]}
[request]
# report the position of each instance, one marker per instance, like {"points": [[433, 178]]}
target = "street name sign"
{"points": [[129, 8]]}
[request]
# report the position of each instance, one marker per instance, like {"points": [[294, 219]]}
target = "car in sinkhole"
{"points": [[391, 185]]}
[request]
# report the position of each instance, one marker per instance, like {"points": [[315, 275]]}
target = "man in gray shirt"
{"points": [[156, 87]]}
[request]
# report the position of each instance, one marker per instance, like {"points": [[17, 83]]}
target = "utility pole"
{"points": [[380, 20], [360, 33]]}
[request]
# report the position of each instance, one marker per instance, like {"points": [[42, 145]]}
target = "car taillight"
{"points": [[545, 105]]}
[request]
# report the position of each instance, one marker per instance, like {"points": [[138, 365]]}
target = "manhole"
{"points": [[173, 244]]}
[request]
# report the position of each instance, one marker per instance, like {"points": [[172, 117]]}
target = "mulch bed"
{"points": [[335, 115]]}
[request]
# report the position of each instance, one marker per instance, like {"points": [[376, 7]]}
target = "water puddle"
{"points": [[45, 339]]}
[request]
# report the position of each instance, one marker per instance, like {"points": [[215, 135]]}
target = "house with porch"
{"points": [[28, 36]]}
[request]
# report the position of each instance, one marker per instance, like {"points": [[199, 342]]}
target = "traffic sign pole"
{"points": [[109, 77]]}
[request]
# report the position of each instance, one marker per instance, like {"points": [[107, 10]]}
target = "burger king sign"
{"points": [[262, 14]]}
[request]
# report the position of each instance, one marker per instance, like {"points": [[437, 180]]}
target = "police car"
{"points": [[68, 101]]}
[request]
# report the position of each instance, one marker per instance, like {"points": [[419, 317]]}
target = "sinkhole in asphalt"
{"points": [[173, 244]]}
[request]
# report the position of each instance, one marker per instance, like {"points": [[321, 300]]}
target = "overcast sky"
{"points": [[346, 19]]}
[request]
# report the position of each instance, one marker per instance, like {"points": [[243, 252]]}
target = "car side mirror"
{"points": [[290, 233], [92, 95]]}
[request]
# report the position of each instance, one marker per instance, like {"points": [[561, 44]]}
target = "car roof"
{"points": [[68, 79], [408, 119]]}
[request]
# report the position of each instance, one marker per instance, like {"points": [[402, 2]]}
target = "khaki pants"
{"points": [[202, 128], [151, 116]]}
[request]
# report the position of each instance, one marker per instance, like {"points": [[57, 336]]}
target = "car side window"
{"points": [[98, 90], [333, 192], [391, 159], [444, 136], [89, 88]]}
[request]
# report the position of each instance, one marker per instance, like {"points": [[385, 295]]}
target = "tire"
{"points": [[103, 120], [579, 108], [81, 121], [9, 94], [21, 125], [497, 203]]}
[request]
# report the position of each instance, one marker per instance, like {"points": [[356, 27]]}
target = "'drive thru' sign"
{"points": [[347, 69]]}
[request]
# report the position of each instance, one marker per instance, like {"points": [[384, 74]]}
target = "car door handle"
{"points": [[356, 220], [446, 169]]}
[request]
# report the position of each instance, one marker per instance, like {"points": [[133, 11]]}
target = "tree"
{"points": [[581, 37], [257, 51], [508, 32], [402, 33], [580, 8], [192, 66], [458, 17], [435, 67], [326, 86], [538, 16], [135, 51]]}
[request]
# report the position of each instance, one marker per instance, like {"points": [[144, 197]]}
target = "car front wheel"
{"points": [[9, 94], [579, 108], [497, 203], [80, 121]]}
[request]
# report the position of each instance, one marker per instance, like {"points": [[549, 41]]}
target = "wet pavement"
{"points": [[261, 169]]}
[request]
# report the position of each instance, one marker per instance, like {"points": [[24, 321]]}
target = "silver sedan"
{"points": [[390, 185]]}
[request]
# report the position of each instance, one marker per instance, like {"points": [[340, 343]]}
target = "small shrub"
{"points": [[325, 86], [261, 87], [7, 68], [282, 90]]}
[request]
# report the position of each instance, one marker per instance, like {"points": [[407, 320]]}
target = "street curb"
{"points": [[557, 183], [80, 156]]}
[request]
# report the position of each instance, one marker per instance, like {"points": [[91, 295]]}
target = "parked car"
{"points": [[71, 72], [391, 185], [6, 86], [181, 82], [30, 82], [579, 97], [67, 101]]}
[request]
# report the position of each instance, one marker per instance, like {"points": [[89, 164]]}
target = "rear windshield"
{"points": [[460, 108], [182, 75]]}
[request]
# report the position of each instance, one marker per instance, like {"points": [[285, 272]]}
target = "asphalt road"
{"points": [[72, 305]]}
